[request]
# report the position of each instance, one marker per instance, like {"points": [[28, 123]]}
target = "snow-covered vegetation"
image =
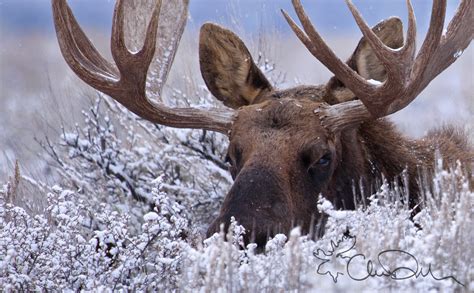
{"points": [[132, 202], [75, 245]]}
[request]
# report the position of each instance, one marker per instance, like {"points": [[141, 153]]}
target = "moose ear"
{"points": [[228, 68], [364, 60]]}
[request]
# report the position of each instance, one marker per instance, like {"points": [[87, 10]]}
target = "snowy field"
{"points": [[100, 200]]}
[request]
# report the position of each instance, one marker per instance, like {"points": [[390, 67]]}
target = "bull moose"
{"points": [[288, 146]]}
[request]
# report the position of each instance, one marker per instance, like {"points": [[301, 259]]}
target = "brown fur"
{"points": [[228, 68], [282, 158]]}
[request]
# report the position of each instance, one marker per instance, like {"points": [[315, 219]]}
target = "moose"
{"points": [[288, 146]]}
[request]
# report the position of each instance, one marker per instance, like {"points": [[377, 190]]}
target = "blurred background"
{"points": [[39, 93]]}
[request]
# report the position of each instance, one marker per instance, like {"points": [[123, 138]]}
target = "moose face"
{"points": [[280, 164], [280, 155]]}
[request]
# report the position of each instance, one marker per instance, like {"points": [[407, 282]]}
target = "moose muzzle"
{"points": [[258, 202]]}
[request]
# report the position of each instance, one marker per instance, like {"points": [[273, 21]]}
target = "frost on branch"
{"points": [[60, 250], [57, 250], [115, 162]]}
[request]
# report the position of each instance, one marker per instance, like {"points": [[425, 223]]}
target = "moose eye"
{"points": [[324, 160], [319, 170]]}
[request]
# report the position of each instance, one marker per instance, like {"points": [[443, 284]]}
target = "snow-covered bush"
{"points": [[61, 250], [55, 250], [114, 162]]}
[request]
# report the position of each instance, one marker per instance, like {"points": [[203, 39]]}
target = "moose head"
{"points": [[286, 146]]}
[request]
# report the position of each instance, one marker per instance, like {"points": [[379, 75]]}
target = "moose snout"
{"points": [[258, 202]]}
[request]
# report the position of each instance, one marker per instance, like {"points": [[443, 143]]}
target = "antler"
{"points": [[126, 82], [406, 76]]}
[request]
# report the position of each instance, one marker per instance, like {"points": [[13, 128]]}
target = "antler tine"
{"points": [[122, 56], [78, 51], [398, 65], [409, 47], [433, 37], [316, 45], [395, 60], [457, 38], [127, 84], [126, 60], [118, 47], [460, 20], [149, 44], [438, 51], [406, 76], [384, 53]]}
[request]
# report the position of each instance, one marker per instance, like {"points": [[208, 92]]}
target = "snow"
{"points": [[325, 206], [374, 82], [151, 216], [458, 54]]}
